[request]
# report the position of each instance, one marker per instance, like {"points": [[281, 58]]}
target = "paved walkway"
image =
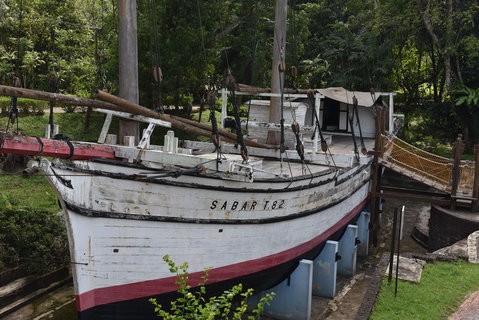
{"points": [[469, 309]]}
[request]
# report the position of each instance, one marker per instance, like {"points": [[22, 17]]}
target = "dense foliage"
{"points": [[422, 49], [31, 237]]}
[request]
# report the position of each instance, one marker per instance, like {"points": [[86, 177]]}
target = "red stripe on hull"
{"points": [[147, 288]]}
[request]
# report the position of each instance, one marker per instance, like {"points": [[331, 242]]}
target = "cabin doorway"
{"points": [[331, 111]]}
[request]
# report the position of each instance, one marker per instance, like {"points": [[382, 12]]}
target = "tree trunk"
{"points": [[448, 47], [445, 50]]}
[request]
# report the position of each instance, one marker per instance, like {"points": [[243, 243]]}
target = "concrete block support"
{"points": [[363, 233], [325, 268], [293, 295], [348, 251]]}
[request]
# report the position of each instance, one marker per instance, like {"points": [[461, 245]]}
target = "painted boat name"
{"points": [[246, 205]]}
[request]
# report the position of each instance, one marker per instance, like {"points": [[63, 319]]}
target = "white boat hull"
{"points": [[120, 227]]}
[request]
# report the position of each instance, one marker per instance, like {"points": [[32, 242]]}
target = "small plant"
{"points": [[193, 305]]}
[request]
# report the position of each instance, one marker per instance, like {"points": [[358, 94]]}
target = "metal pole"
{"points": [[397, 260], [128, 63], [393, 247]]}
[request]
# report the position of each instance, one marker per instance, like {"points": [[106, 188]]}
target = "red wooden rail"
{"points": [[33, 146]]}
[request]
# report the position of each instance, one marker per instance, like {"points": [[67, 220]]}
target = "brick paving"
{"points": [[469, 309]]}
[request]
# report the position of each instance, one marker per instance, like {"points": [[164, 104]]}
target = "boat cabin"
{"points": [[335, 108]]}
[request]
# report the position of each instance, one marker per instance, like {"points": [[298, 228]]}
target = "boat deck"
{"points": [[340, 146], [343, 144]]}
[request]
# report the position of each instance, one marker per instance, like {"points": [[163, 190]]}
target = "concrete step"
{"points": [[24, 300]]}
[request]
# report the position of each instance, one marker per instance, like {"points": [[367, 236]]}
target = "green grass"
{"points": [[442, 289], [70, 124], [32, 192]]}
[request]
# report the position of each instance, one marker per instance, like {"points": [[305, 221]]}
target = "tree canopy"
{"points": [[425, 50]]}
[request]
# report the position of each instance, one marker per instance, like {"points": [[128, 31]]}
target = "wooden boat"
{"points": [[250, 221]]}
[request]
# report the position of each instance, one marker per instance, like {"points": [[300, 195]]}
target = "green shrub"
{"points": [[192, 305], [243, 109], [184, 100], [25, 106], [38, 238]]}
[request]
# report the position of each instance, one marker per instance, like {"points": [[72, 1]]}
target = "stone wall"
{"points": [[446, 227]]}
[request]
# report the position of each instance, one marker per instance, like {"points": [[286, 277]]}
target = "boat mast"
{"points": [[277, 77], [128, 63]]}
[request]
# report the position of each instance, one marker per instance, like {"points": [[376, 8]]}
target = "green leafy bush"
{"points": [[26, 106], [38, 238], [231, 304]]}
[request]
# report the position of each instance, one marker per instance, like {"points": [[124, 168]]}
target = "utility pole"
{"points": [[277, 76], [128, 63]]}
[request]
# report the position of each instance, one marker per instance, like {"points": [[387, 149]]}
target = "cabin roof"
{"points": [[365, 99]]}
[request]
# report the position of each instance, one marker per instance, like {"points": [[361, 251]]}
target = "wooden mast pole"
{"points": [[128, 63], [456, 169], [277, 77], [376, 173]]}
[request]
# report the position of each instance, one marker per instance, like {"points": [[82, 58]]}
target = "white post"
{"points": [[166, 143], [47, 131], [402, 222], [171, 143], [55, 129], [110, 139], [145, 139], [224, 106], [129, 141], [105, 128], [175, 145]]}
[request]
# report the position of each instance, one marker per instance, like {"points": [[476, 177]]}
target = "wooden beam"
{"points": [[414, 191], [412, 197], [177, 122], [139, 118], [33, 146], [56, 97]]}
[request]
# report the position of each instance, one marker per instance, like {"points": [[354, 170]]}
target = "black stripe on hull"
{"points": [[142, 309], [117, 215]]}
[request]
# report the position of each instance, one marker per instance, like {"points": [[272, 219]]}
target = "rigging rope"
{"points": [[312, 101], [156, 65], [17, 82], [13, 113], [356, 112], [351, 124], [231, 85]]}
